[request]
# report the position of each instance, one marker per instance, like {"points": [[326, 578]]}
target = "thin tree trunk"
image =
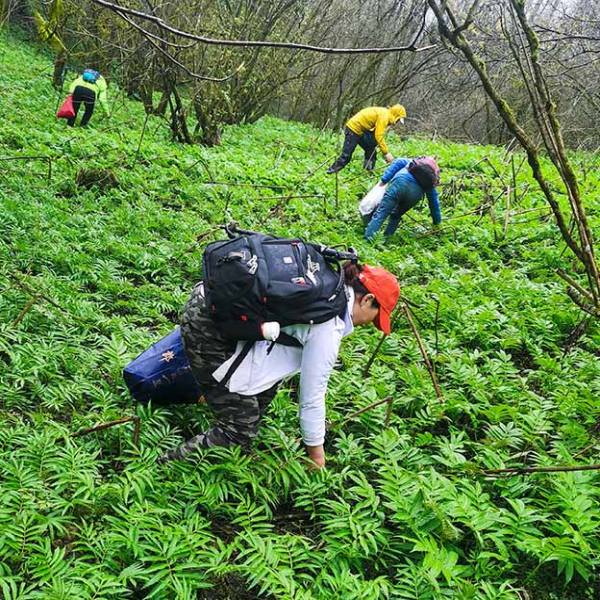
{"points": [[548, 125]]}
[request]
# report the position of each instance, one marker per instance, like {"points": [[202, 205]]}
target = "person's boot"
{"points": [[369, 164], [183, 451], [333, 169]]}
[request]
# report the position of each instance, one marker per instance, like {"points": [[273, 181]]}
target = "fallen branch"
{"points": [[523, 193], [201, 161], [238, 184], [436, 385], [314, 141], [276, 209], [133, 419], [32, 292], [371, 360], [337, 424], [45, 158], [139, 146], [438, 231], [477, 211], [311, 173], [506, 213], [539, 218], [530, 210], [199, 239], [293, 197], [525, 470], [489, 162], [563, 275], [25, 310], [575, 335], [584, 450]]}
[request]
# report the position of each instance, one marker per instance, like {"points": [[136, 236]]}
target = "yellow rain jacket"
{"points": [[377, 119], [99, 87]]}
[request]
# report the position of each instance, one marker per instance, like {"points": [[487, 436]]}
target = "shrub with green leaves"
{"points": [[92, 275]]}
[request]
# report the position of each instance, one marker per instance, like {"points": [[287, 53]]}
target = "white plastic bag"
{"points": [[371, 201]]}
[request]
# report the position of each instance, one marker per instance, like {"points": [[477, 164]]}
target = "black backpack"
{"points": [[426, 171], [252, 278]]}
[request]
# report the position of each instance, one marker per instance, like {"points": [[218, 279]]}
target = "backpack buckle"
{"points": [[252, 264]]}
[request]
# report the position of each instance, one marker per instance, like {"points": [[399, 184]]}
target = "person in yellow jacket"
{"points": [[87, 88], [366, 129]]}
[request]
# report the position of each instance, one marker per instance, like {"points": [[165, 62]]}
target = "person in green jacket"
{"points": [[87, 88]]}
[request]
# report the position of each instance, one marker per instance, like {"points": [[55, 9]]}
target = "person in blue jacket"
{"points": [[408, 181]]}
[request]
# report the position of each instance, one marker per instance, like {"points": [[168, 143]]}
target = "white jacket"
{"points": [[261, 369]]}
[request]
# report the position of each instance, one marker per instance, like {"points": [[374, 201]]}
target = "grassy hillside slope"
{"points": [[93, 270]]}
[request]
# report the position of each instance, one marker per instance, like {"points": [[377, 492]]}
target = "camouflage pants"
{"points": [[238, 416]]}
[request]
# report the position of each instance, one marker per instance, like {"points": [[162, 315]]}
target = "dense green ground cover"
{"points": [[400, 512]]}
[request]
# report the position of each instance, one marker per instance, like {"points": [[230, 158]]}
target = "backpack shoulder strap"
{"points": [[284, 338], [237, 362]]}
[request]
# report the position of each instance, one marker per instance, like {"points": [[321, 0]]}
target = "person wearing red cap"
{"points": [[371, 293], [385, 290]]}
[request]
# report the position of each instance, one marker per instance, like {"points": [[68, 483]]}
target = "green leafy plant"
{"points": [[90, 277]]}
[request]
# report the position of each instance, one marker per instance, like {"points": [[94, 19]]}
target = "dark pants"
{"points": [[237, 416], [88, 97], [366, 141]]}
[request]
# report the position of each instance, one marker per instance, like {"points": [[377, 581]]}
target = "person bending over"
{"points": [[86, 89], [408, 180], [367, 129], [238, 406]]}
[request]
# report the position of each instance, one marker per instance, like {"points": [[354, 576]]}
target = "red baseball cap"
{"points": [[384, 286]]}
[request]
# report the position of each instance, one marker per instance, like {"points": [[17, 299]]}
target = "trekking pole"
{"points": [[350, 254]]}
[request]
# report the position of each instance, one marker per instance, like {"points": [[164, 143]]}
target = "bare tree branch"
{"points": [[149, 36], [121, 10]]}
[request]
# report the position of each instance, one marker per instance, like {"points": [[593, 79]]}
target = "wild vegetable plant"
{"points": [[91, 276]]}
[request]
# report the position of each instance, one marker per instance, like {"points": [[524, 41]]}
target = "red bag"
{"points": [[66, 110]]}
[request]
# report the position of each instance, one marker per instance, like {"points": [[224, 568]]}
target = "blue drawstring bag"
{"points": [[163, 374]]}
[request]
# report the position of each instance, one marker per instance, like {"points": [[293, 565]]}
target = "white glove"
{"points": [[270, 330]]}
